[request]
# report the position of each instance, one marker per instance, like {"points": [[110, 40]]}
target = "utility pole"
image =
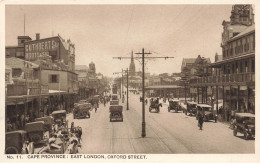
{"points": [[122, 91], [143, 83], [127, 104], [125, 71]]}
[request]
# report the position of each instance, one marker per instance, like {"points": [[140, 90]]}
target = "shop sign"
{"points": [[33, 50]]}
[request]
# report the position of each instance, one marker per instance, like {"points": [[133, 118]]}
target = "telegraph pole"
{"points": [[143, 83], [127, 104], [125, 71]]}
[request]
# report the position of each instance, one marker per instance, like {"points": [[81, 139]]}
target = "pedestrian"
{"points": [[95, 106], [104, 102], [200, 120]]}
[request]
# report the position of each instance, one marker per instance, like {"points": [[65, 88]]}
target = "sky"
{"points": [[101, 32]]}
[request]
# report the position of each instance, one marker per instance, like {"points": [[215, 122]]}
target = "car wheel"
{"points": [[245, 135], [235, 132], [11, 150]]}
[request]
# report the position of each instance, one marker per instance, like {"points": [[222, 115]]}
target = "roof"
{"points": [[14, 62], [232, 59], [203, 105], [162, 86], [192, 102], [56, 91], [189, 60], [245, 115], [246, 31], [175, 100], [17, 131], [81, 67], [59, 111]]}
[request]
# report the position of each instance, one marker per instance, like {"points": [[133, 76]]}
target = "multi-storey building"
{"points": [[234, 76]]}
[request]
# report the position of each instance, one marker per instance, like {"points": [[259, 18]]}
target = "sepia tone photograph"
{"points": [[129, 79]]}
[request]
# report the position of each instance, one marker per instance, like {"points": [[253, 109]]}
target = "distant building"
{"points": [[191, 63], [82, 71], [17, 51]]}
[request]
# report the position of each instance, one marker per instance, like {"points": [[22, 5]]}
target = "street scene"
{"points": [[130, 79]]}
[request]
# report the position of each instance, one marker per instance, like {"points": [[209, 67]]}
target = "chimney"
{"points": [[37, 36]]}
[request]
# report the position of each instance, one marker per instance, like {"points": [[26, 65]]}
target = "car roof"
{"points": [[37, 122], [245, 115], [17, 131], [204, 105], [59, 111], [191, 102], [115, 106], [175, 100]]}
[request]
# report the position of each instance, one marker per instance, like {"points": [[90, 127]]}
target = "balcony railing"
{"points": [[228, 78]]}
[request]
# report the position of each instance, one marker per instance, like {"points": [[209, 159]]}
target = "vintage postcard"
{"points": [[156, 81]]}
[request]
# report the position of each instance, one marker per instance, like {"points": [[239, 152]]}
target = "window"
{"points": [[253, 65], [53, 78]]}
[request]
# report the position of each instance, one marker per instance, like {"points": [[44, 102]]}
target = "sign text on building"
{"points": [[40, 48]]}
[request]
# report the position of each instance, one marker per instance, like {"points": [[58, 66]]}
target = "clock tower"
{"points": [[242, 14]]}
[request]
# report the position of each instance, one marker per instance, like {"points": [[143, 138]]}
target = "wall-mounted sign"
{"points": [[37, 48]]}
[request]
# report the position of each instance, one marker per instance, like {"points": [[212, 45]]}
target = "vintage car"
{"points": [[48, 122], [114, 89], [191, 108], [174, 105], [35, 131], [83, 101], [116, 113], [114, 102], [244, 123], [59, 117], [114, 97], [81, 110], [207, 111], [17, 142], [155, 105]]}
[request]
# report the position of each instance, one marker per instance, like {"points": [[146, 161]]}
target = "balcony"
{"points": [[224, 79]]}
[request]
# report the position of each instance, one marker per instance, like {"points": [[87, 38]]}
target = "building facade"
{"points": [[234, 77]]}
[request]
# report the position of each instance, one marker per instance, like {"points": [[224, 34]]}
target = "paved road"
{"points": [[166, 133]]}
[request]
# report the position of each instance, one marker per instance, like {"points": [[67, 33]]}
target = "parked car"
{"points": [[35, 131], [174, 105], [17, 142], [244, 123], [59, 117], [191, 108], [114, 102], [207, 111], [48, 122], [116, 113], [114, 97], [81, 110]]}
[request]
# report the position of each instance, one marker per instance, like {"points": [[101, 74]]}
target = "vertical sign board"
{"points": [[38, 48]]}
